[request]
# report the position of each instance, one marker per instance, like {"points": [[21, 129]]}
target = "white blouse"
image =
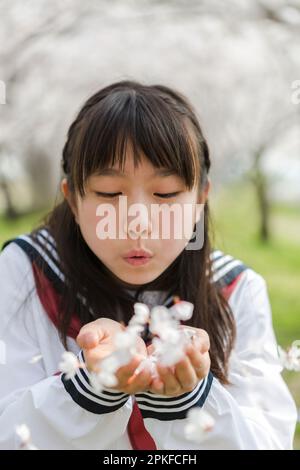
{"points": [[255, 412]]}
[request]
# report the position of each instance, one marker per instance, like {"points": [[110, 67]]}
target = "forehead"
{"points": [[144, 168]]}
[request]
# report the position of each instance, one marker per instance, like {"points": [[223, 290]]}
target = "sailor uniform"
{"points": [[256, 411]]}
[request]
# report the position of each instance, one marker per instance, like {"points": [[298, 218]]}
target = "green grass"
{"points": [[22, 224], [236, 221]]}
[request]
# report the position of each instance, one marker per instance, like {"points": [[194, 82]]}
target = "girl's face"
{"points": [[139, 227]]}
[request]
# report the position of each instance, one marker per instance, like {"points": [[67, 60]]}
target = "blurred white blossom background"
{"points": [[237, 61]]}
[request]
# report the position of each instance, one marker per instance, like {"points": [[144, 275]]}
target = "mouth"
{"points": [[138, 257], [137, 260]]}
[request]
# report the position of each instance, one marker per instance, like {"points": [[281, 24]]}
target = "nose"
{"points": [[140, 224]]}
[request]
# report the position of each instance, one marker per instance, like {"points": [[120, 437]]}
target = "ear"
{"points": [[64, 187], [202, 198], [205, 192]]}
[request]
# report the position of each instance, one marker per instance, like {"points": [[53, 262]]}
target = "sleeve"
{"points": [[60, 413], [256, 411]]}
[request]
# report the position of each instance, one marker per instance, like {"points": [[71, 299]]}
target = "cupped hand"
{"points": [[184, 376], [96, 339]]}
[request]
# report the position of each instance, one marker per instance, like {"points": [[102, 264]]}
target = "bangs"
{"points": [[142, 121]]}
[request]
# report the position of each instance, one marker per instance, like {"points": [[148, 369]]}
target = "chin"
{"points": [[138, 280]]}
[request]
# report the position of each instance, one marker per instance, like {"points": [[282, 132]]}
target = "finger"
{"points": [[157, 386], [200, 362], [171, 384], [186, 375], [195, 356], [139, 382], [201, 340], [94, 356], [124, 373], [90, 335]]}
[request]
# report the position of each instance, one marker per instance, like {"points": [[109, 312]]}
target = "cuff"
{"points": [[166, 408], [106, 401]]}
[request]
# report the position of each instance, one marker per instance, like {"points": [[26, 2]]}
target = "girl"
{"points": [[62, 287]]}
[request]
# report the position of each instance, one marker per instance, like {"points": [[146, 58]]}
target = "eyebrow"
{"points": [[160, 172]]}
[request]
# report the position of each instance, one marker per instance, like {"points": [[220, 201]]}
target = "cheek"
{"points": [[170, 249], [87, 219], [87, 213], [105, 248], [175, 223]]}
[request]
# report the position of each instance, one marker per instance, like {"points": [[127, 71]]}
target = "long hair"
{"points": [[161, 124]]}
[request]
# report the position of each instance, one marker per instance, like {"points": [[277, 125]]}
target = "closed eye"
{"points": [[107, 194], [166, 195]]}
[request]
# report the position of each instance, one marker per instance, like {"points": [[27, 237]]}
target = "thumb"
{"points": [[90, 336]]}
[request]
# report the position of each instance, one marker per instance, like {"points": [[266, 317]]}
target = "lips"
{"points": [[138, 257], [138, 254]]}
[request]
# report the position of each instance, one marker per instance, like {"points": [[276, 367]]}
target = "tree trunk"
{"points": [[10, 212], [261, 186]]}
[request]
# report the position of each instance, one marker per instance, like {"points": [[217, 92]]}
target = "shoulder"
{"points": [[227, 269], [15, 266], [39, 248], [22, 307], [19, 258], [248, 289], [17, 288]]}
